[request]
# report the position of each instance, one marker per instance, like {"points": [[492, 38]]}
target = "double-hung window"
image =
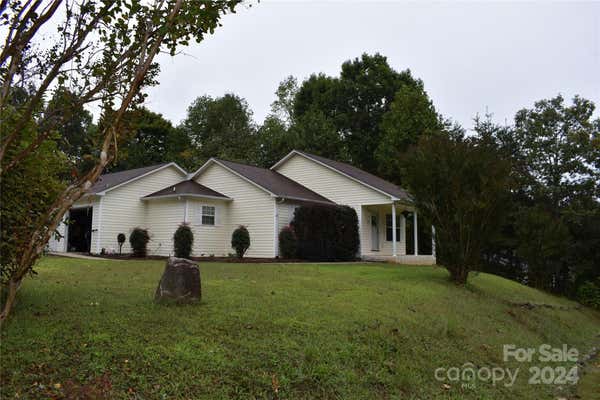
{"points": [[208, 215], [389, 228]]}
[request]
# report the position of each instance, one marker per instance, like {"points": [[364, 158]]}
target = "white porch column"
{"points": [[394, 250], [415, 232], [185, 211], [433, 240], [403, 233]]}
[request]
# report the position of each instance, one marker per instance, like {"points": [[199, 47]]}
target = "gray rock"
{"points": [[180, 282]]}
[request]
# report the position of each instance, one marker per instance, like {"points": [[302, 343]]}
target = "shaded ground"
{"points": [[89, 328]]}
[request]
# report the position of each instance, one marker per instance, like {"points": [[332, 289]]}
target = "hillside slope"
{"points": [[351, 331]]}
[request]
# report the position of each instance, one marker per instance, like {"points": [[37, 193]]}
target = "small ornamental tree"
{"points": [[183, 240], [138, 240], [240, 240], [288, 243], [461, 185], [121, 240]]}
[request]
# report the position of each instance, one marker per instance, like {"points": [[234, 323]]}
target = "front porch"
{"points": [[391, 233]]}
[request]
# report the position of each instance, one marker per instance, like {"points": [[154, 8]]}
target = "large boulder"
{"points": [[180, 282]]}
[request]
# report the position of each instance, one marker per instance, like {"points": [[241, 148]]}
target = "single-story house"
{"points": [[221, 195]]}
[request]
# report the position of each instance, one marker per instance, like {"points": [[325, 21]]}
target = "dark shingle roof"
{"points": [[187, 188], [362, 176], [108, 181], [274, 182]]}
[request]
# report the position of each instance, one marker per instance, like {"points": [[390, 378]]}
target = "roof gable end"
{"points": [[356, 174]]}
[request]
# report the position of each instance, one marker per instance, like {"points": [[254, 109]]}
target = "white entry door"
{"points": [[374, 232]]}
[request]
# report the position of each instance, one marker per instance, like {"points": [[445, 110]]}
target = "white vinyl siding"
{"points": [[121, 209], [338, 188], [209, 239], [251, 206], [165, 215]]}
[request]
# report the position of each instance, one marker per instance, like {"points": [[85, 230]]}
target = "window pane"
{"points": [[208, 210], [388, 228], [208, 215], [208, 220]]}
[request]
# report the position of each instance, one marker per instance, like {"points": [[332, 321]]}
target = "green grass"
{"points": [[352, 331]]}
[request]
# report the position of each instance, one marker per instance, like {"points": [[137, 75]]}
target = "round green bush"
{"points": [[138, 240], [240, 240], [183, 240], [288, 243]]}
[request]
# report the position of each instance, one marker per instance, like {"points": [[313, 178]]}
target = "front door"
{"points": [[374, 232]]}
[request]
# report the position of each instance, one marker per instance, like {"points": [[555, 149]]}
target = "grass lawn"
{"points": [[353, 331]]}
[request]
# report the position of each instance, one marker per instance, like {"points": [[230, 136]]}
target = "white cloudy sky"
{"points": [[471, 55]]}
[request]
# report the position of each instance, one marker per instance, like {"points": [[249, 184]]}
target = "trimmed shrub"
{"points": [[138, 239], [240, 240], [183, 240], [589, 293], [326, 233], [121, 240], [288, 244]]}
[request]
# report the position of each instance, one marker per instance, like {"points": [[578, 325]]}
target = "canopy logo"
{"points": [[468, 374]]}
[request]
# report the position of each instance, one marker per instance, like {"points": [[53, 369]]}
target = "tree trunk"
{"points": [[13, 286], [459, 275]]}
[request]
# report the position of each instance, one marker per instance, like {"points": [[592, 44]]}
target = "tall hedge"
{"points": [[326, 233]]}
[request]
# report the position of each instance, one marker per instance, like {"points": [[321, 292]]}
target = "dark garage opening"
{"points": [[79, 238]]}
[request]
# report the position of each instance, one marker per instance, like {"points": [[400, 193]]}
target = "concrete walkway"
{"points": [[82, 256]]}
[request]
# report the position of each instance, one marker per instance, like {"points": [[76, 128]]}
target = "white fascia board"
{"points": [[200, 196]]}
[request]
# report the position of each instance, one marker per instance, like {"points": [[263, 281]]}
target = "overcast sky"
{"points": [[471, 56]]}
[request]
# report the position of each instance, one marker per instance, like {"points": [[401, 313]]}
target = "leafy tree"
{"points": [[221, 127], [356, 103], [283, 106], [411, 115], [316, 134], [461, 186], [105, 53], [558, 145], [275, 140], [549, 238], [151, 139], [74, 127], [121, 240]]}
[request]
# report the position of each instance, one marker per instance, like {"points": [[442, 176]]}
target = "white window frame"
{"points": [[214, 215]]}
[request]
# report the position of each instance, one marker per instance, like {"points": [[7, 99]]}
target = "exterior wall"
{"points": [[336, 187], [251, 206], [121, 209], [210, 240], [165, 216]]}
